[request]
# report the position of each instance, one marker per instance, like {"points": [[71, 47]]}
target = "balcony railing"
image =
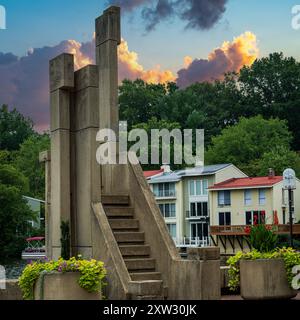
{"points": [[165, 194], [192, 242], [240, 229], [194, 215]]}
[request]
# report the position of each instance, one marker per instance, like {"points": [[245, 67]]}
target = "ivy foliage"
{"points": [[92, 274]]}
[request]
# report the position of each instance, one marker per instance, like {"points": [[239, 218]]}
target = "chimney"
{"points": [[271, 173], [166, 168]]}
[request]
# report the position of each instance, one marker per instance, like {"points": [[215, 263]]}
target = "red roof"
{"points": [[151, 173], [247, 182]]}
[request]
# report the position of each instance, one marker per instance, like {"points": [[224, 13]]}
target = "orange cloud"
{"points": [[129, 68], [231, 56]]}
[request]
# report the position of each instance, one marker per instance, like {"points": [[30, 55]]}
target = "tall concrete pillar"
{"points": [[45, 157], [85, 171], [108, 37], [61, 85]]}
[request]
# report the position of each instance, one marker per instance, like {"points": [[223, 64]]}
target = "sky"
{"points": [[163, 40]]}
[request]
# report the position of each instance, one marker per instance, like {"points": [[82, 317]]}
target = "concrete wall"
{"points": [[12, 291]]}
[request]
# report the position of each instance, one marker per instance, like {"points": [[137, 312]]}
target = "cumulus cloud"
{"points": [[198, 14], [24, 81], [231, 56], [129, 68]]}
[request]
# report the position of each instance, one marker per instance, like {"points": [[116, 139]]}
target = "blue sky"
{"points": [[38, 23], [45, 25]]}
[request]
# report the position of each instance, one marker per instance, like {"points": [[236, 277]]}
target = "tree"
{"points": [[14, 129], [14, 211], [248, 141], [27, 161], [271, 87], [153, 123], [279, 158], [139, 101]]}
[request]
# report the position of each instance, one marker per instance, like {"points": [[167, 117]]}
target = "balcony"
{"points": [[190, 216], [239, 230], [165, 194], [191, 242]]}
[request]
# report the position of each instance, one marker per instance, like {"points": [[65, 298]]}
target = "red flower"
{"points": [[247, 229], [255, 218]]}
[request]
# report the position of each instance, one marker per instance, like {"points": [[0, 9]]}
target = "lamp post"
{"points": [[289, 183]]}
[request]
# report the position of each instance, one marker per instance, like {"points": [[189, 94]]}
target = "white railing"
{"points": [[192, 242], [165, 194]]}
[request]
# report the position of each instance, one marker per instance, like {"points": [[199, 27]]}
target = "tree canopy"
{"points": [[14, 129]]}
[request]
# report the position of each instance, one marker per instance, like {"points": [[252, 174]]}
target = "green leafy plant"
{"points": [[65, 240], [290, 257], [92, 274], [262, 237]]}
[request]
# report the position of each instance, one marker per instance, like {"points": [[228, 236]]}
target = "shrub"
{"points": [[263, 237], [290, 257], [91, 278]]}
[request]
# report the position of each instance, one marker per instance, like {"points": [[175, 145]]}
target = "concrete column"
{"points": [[108, 37], [107, 40], [61, 85], [85, 171], [45, 157]]}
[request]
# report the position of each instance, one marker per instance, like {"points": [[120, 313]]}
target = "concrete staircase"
{"points": [[131, 241]]}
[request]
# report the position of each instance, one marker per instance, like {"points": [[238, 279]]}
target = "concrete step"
{"points": [[144, 276], [140, 264], [130, 237], [124, 224], [134, 250], [119, 212], [115, 199], [142, 289]]}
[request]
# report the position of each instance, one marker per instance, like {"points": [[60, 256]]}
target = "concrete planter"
{"points": [[264, 279], [62, 286]]}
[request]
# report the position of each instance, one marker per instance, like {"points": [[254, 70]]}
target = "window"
{"points": [[262, 197], [247, 197], [172, 229], [224, 198], [198, 187], [168, 210], [164, 189], [224, 218], [199, 230], [198, 209], [255, 217], [192, 188], [204, 187]]}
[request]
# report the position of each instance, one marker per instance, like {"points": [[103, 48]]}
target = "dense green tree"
{"points": [[139, 101], [14, 129], [271, 87], [154, 123], [279, 159], [14, 211], [248, 141], [27, 161]]}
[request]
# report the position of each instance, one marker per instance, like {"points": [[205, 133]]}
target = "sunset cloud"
{"points": [[129, 68], [231, 56], [24, 81]]}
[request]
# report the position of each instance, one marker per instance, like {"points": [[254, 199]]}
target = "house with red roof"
{"points": [[239, 202]]}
